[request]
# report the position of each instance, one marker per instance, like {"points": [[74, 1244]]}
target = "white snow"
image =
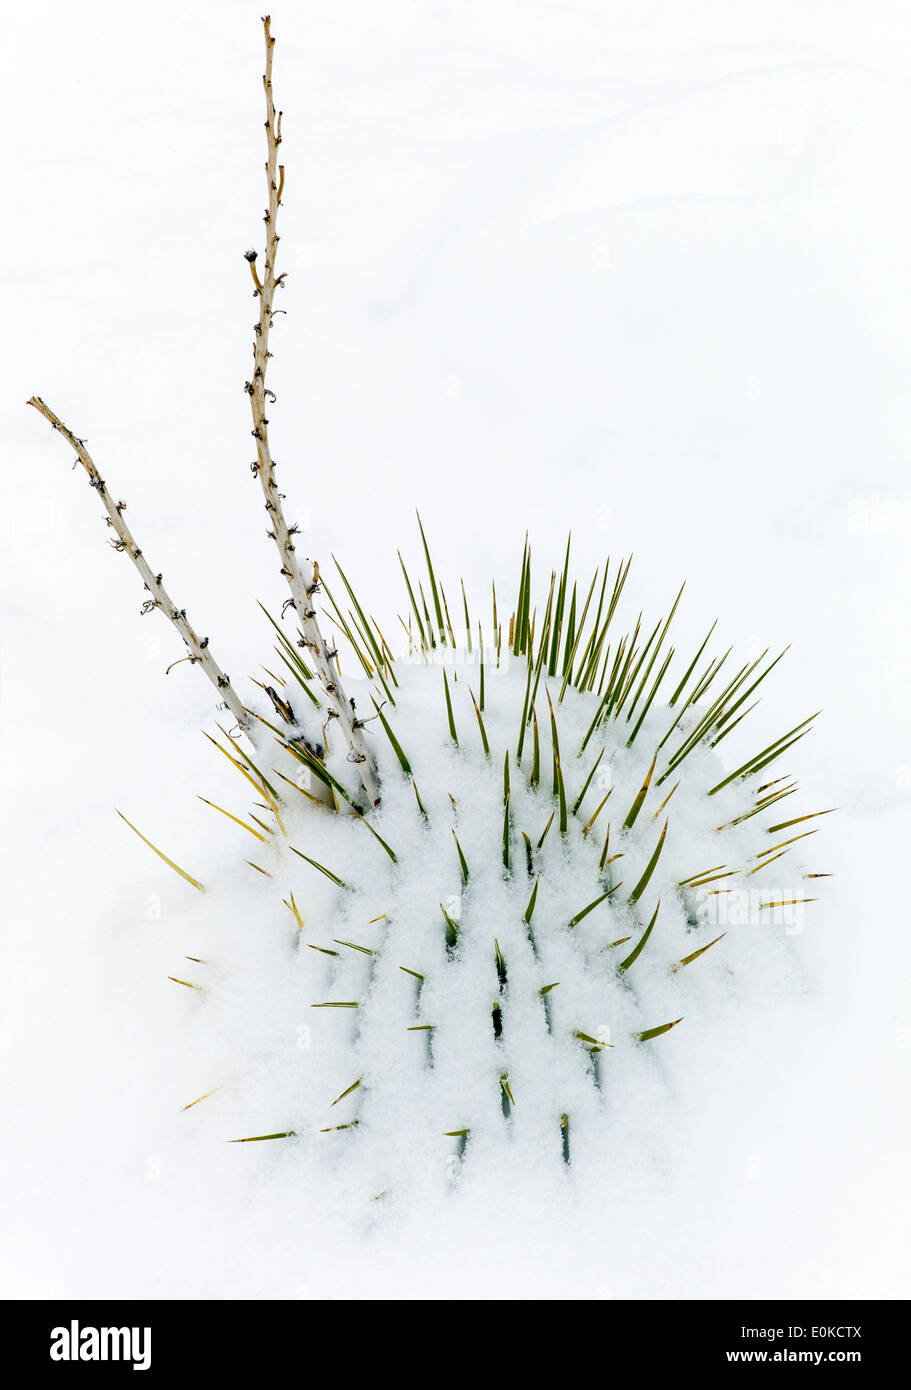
{"points": [[637, 271]]}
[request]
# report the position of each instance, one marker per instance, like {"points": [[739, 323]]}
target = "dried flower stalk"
{"points": [[303, 582], [198, 647]]}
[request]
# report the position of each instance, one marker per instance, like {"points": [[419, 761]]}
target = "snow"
{"points": [[638, 272]]}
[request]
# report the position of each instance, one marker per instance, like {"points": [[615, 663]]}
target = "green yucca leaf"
{"points": [[524, 720], [659, 644], [298, 668], [647, 706], [447, 617], [546, 989], [688, 960], [705, 681], [557, 626], [765, 862], [467, 618], [353, 946], [633, 813], [396, 746], [520, 602], [305, 671], [199, 1099], [258, 867], [411, 972], [320, 772], [546, 626], [258, 1138], [782, 843], [733, 725], [530, 909], [506, 834], [590, 673], [463, 863], [569, 661], [363, 820], [711, 718], [635, 952], [368, 639], [230, 817], [433, 584], [584, 660], [615, 676], [689, 670], [574, 921], [665, 801], [786, 824], [527, 626], [388, 658], [352, 1087], [656, 1032], [570, 636], [595, 1043], [452, 929], [324, 950], [360, 648], [500, 963], [280, 733], [301, 682], [546, 828], [694, 878], [633, 673], [767, 755], [748, 692], [506, 776], [449, 715], [245, 767], [561, 795], [785, 902], [480, 718], [188, 878], [596, 813], [536, 754], [417, 797], [323, 870], [555, 741], [641, 886], [414, 605], [696, 694], [333, 1129], [624, 679], [581, 797], [760, 806], [337, 1004], [594, 724]]}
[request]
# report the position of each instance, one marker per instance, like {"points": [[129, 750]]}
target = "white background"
{"points": [[640, 270]]}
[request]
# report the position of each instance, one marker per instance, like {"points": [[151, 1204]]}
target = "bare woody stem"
{"points": [[198, 648], [303, 583]]}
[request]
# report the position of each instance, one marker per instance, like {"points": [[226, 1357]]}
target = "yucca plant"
{"points": [[487, 875]]}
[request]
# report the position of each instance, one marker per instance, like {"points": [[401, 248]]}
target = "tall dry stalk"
{"points": [[199, 651], [302, 581]]}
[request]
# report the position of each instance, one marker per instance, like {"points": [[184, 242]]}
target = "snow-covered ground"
{"points": [[636, 270]]}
